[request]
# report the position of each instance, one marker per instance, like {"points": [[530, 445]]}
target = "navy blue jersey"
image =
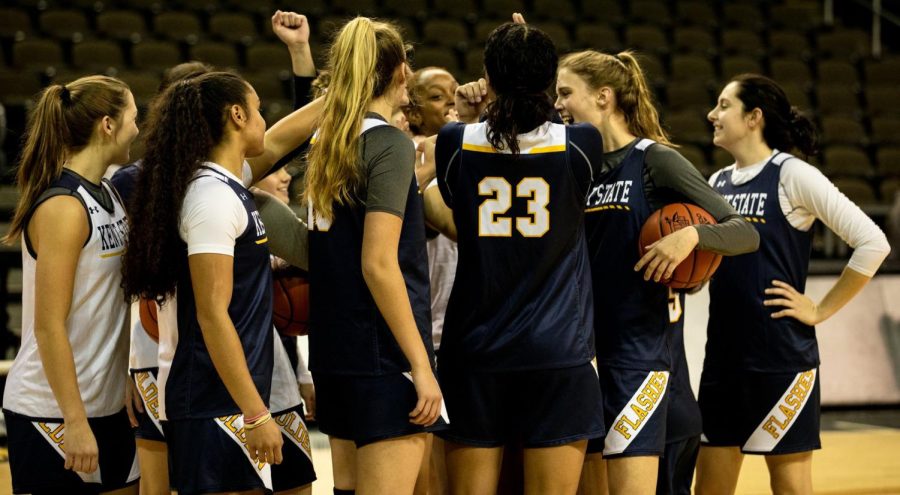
{"points": [[194, 389], [632, 327], [124, 180], [348, 334], [742, 333], [683, 420], [522, 295]]}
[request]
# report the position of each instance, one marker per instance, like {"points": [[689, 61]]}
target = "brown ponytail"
{"points": [[61, 123]]}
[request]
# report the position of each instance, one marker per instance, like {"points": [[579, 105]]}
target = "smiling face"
{"points": [[277, 185], [576, 101], [730, 119]]}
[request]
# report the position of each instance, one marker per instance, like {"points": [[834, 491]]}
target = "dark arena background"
{"points": [[838, 60]]}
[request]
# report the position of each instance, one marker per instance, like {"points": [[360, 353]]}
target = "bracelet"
{"points": [[252, 426], [256, 418]]}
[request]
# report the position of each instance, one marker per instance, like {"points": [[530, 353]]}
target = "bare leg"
{"points": [[343, 463], [390, 466], [718, 469], [791, 474], [632, 475], [554, 470], [473, 470], [153, 456], [424, 479], [439, 484], [593, 476]]}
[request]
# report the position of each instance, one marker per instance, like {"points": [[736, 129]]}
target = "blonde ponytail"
{"points": [[361, 62]]}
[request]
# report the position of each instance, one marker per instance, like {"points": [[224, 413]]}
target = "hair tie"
{"points": [[64, 95]]}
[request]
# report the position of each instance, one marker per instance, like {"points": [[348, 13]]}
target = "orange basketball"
{"points": [[699, 266], [290, 305], [149, 320]]}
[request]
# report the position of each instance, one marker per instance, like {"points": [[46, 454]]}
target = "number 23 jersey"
{"points": [[522, 297]]}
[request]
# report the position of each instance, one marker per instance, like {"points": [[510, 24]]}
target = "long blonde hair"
{"points": [[624, 75], [61, 123], [362, 61]]}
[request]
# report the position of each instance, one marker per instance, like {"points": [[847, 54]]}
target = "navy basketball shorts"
{"points": [[37, 460], [296, 468], [149, 427], [367, 409], [211, 455], [532, 408], [762, 413], [676, 467], [635, 404]]}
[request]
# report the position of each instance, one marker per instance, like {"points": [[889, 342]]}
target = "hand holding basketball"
{"points": [[664, 255], [667, 247]]}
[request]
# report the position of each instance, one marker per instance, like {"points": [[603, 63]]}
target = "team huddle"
{"points": [[478, 288]]}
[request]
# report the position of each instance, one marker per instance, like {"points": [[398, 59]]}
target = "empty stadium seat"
{"points": [[445, 33], [597, 36], [884, 72], [144, 84], [732, 66], [837, 100], [837, 72], [694, 40], [687, 96], [858, 190], [651, 12], [889, 189], [69, 24], [607, 11], [689, 127], [742, 15], [18, 87], [178, 26], [553, 10], [269, 85], [847, 44], [355, 7], [788, 44], [441, 57], [843, 130], [692, 13], [14, 24], [267, 56], [37, 54], [217, 54], [797, 16], [883, 101], [97, 54], [501, 9], [236, 28], [692, 68], [886, 130], [888, 158], [844, 160], [558, 33], [742, 42], [157, 55], [649, 39], [788, 70], [122, 25]]}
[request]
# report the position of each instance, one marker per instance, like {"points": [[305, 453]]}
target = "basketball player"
{"points": [[370, 328], [431, 95], [759, 391], [641, 172], [68, 430], [515, 359], [192, 191]]}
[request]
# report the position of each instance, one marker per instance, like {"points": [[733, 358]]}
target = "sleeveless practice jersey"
{"points": [[194, 389], [632, 321], [97, 320], [742, 334], [683, 418], [522, 295], [347, 334]]}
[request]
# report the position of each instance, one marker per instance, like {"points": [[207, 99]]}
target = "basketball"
{"points": [[700, 265], [149, 320], [290, 305]]}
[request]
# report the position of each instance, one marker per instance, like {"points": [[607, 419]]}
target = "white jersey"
{"points": [[285, 393], [443, 255], [144, 350], [97, 321], [805, 194]]}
